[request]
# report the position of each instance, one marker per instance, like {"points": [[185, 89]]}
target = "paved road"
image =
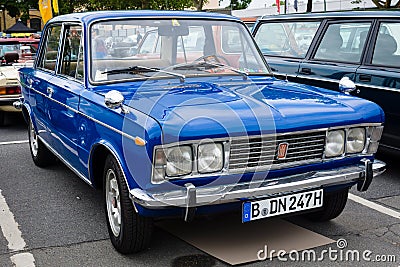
{"points": [[62, 222]]}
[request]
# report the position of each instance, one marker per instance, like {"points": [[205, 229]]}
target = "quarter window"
{"points": [[387, 50], [343, 42], [49, 57], [291, 39]]}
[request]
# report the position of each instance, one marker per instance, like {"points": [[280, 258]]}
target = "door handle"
{"points": [[365, 78], [305, 71], [50, 91]]}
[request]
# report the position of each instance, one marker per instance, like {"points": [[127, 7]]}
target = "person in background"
{"points": [[138, 37], [98, 45]]}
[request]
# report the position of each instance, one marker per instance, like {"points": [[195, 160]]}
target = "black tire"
{"points": [[2, 118], [132, 233], [41, 155], [334, 204]]}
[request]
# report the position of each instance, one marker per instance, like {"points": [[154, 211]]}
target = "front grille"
{"points": [[261, 152]]}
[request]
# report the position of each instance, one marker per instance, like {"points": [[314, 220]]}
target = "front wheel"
{"points": [[334, 204], [129, 232], [41, 156]]}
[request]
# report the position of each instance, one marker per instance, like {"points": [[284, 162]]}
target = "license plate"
{"points": [[254, 210]]}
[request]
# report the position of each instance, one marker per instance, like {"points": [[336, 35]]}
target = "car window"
{"points": [[343, 42], [231, 42], [71, 64], [149, 42], [174, 46], [387, 50], [291, 39], [192, 42], [50, 49]]}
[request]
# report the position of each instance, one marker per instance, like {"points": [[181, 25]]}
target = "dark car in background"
{"points": [[321, 48]]}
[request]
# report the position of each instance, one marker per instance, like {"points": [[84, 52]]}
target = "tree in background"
{"points": [[387, 3], [139, 4], [240, 4], [20, 8], [16, 8]]}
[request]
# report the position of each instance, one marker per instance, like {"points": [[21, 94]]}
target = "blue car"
{"points": [[191, 123]]}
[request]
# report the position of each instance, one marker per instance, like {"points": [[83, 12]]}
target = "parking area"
{"points": [[62, 222]]}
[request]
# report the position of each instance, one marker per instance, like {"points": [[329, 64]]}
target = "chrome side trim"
{"points": [[86, 116], [253, 190], [52, 150], [377, 87], [318, 79], [283, 74]]}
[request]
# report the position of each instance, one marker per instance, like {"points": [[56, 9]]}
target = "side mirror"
{"points": [[114, 99], [346, 85]]}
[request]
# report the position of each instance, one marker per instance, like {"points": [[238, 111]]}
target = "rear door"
{"points": [[338, 53], [285, 44], [379, 78], [43, 73]]}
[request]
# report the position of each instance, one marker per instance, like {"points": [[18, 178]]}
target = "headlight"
{"points": [[178, 160], [210, 158], [334, 143], [355, 140]]}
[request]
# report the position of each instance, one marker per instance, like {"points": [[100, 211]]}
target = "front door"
{"points": [[64, 94]]}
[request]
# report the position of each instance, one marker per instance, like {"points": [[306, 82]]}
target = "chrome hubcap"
{"points": [[113, 202], [33, 140]]}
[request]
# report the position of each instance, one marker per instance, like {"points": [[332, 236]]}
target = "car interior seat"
{"points": [[385, 48], [331, 44]]}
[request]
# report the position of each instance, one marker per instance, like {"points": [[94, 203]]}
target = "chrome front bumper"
{"points": [[190, 196]]}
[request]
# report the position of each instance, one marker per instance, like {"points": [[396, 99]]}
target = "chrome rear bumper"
{"points": [[190, 196]]}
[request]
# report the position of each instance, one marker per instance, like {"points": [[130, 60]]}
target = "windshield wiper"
{"points": [[206, 65], [141, 69]]}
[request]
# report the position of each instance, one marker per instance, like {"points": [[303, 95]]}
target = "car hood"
{"points": [[215, 108]]}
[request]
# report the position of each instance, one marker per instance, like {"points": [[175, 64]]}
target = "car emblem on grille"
{"points": [[282, 150]]}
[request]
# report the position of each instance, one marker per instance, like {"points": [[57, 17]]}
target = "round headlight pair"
{"points": [[335, 142], [179, 159]]}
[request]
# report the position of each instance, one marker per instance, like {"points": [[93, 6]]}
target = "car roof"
{"points": [[87, 17], [342, 14]]}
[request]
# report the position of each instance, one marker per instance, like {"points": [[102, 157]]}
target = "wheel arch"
{"points": [[97, 158], [27, 113]]}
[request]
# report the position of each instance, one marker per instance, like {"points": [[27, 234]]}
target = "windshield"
{"points": [[9, 48], [173, 46]]}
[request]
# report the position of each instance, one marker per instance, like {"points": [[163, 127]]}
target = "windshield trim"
{"points": [[232, 19], [187, 77]]}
